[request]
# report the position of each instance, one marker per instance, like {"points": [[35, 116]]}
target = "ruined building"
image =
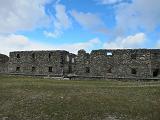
{"points": [[103, 63], [4, 63], [120, 63], [54, 63]]}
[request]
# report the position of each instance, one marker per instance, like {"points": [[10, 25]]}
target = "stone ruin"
{"points": [[99, 64], [4, 63]]}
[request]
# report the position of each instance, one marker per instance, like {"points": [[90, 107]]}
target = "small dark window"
{"points": [[133, 71], [33, 55], [50, 69], [18, 55], [155, 72], [33, 69], [109, 70], [49, 56], [133, 56], [155, 55], [87, 70], [61, 60], [17, 69]]}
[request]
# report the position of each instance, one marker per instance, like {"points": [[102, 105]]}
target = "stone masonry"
{"points": [[54, 63], [3, 63], [103, 63], [119, 63]]}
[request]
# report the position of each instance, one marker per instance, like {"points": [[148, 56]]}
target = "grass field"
{"points": [[26, 98]]}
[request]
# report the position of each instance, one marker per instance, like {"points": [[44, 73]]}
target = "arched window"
{"points": [[49, 56], [109, 53], [67, 58], [73, 60]]}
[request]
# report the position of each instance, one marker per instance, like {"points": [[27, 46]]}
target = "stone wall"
{"points": [[3, 63], [155, 63], [103, 63], [56, 63], [120, 63], [82, 63]]}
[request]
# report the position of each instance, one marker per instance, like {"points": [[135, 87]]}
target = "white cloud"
{"points": [[89, 21], [108, 2], [88, 46], [144, 14], [61, 21], [15, 42], [132, 41], [18, 15]]}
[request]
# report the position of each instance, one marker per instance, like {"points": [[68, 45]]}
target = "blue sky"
{"points": [[78, 24]]}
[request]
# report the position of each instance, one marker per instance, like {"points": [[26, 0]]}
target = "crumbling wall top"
{"points": [[4, 58]]}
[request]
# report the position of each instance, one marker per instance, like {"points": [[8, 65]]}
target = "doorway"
{"points": [[155, 72]]}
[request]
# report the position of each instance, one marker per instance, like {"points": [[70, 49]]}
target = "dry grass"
{"points": [[25, 98]]}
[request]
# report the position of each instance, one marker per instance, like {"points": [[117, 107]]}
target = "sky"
{"points": [[78, 24]]}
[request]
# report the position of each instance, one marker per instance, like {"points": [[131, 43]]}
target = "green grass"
{"points": [[26, 98]]}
